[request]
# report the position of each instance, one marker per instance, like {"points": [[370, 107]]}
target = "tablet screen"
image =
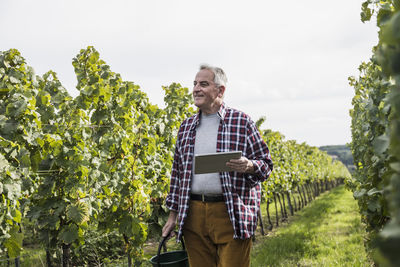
{"points": [[214, 162]]}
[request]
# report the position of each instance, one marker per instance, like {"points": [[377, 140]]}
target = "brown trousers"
{"points": [[208, 236]]}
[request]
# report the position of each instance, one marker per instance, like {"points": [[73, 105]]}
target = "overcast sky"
{"points": [[286, 60]]}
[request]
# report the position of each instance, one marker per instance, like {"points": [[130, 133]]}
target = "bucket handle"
{"points": [[162, 243]]}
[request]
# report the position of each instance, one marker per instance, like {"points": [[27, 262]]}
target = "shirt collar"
{"points": [[222, 111], [221, 114]]}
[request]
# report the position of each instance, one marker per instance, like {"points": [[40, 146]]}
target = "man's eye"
{"points": [[204, 84]]}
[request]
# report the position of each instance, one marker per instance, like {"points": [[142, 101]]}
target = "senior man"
{"points": [[216, 212]]}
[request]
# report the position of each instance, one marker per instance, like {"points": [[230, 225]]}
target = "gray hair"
{"points": [[219, 74]]}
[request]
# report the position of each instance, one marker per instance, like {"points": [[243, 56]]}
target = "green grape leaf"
{"points": [[69, 233], [78, 213]]}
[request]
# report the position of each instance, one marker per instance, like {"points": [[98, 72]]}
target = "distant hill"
{"points": [[342, 152]]}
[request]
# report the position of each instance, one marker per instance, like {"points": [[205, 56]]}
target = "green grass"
{"points": [[328, 232]]}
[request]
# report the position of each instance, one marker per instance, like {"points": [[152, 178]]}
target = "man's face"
{"points": [[207, 96]]}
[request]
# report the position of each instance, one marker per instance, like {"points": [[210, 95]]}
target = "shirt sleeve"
{"points": [[258, 153]]}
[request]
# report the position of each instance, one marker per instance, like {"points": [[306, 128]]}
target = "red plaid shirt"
{"points": [[241, 191]]}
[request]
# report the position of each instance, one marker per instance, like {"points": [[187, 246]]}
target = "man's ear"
{"points": [[221, 91]]}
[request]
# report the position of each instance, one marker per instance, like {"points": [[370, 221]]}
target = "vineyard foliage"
{"points": [[99, 164], [297, 164], [376, 134]]}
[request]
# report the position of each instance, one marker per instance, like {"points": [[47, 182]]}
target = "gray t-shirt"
{"points": [[206, 142]]}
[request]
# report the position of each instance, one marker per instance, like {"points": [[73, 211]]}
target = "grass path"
{"points": [[328, 232]]}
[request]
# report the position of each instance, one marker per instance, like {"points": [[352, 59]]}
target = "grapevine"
{"points": [[99, 164]]}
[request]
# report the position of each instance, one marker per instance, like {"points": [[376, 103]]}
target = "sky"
{"points": [[286, 60]]}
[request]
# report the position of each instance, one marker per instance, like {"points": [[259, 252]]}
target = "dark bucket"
{"points": [[176, 258]]}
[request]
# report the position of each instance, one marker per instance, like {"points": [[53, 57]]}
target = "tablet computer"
{"points": [[214, 162]]}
